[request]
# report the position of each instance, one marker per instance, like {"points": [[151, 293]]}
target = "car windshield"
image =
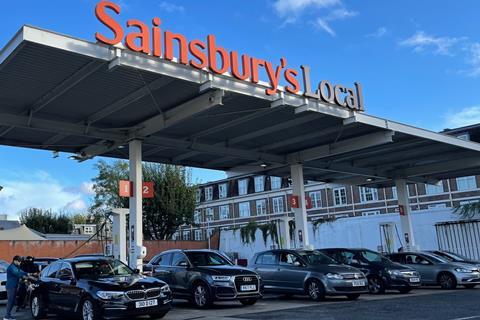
{"points": [[367, 256], [3, 266], [316, 257], [207, 259], [436, 258], [95, 269], [454, 256]]}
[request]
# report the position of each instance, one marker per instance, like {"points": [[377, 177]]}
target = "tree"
{"points": [[172, 206], [468, 210], [45, 221], [79, 219]]}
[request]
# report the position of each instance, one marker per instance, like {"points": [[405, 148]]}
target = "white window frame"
{"points": [[209, 214], [342, 199], [278, 205], [316, 198], [88, 230], [198, 195], [394, 193], [242, 187], [222, 190], [175, 236], [468, 183], [433, 189], [259, 183], [368, 194], [224, 212], [437, 206], [198, 235], [370, 213], [275, 183], [209, 193], [262, 205], [186, 235], [244, 209], [197, 216]]}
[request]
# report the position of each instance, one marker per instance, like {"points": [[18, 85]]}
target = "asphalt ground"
{"points": [[425, 304]]}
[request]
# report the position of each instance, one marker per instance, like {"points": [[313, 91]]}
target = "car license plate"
{"points": [[415, 280], [146, 303], [358, 283], [249, 287]]}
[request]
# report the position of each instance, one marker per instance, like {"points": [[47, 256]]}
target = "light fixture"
{"points": [[55, 154], [370, 179], [263, 165]]}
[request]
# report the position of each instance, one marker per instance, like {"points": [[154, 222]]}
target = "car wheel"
{"points": [[376, 285], [404, 290], [37, 307], [470, 286], [447, 280], [315, 290], [201, 296], [88, 310], [353, 296], [158, 315], [248, 302]]}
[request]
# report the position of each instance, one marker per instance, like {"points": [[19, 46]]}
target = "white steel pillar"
{"points": [[298, 189], [405, 216], [136, 223], [119, 234]]}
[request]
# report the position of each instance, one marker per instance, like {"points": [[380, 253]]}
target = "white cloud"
{"points": [[421, 41], [380, 32], [296, 7], [171, 7], [39, 190], [323, 24], [464, 117], [87, 188], [474, 59], [337, 14]]}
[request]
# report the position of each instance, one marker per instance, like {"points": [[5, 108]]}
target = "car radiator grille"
{"points": [[246, 280], [153, 293], [349, 276], [143, 294]]}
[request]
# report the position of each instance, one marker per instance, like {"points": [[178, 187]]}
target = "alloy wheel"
{"points": [[446, 281], [35, 306], [87, 310], [313, 290], [374, 285], [200, 296]]}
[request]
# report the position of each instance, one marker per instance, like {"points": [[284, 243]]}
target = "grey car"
{"points": [[435, 270], [307, 272]]}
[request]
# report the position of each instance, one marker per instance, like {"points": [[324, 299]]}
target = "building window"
{"points": [[175, 236], [394, 193], [222, 190], [368, 194], [261, 207], [186, 235], [88, 230], [316, 198], [277, 205], [340, 196], [197, 217], [198, 235], [209, 214], [466, 183], [433, 188], [275, 183], [437, 206], [198, 195], [224, 212], [244, 208], [371, 213], [259, 183], [208, 193], [242, 187]]}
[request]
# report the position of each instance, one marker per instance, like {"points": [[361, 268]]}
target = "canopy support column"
{"points": [[298, 189], [135, 219], [405, 216]]}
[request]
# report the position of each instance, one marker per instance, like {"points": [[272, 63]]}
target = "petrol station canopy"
{"points": [[64, 94]]}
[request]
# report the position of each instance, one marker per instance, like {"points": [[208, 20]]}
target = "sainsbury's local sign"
{"points": [[208, 55]]}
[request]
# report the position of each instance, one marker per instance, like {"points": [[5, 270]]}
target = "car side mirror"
{"points": [[297, 264], [136, 271], [183, 264]]}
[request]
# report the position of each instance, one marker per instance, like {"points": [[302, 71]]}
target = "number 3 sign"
{"points": [[126, 189]]}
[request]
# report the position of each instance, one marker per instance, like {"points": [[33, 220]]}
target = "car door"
{"points": [[266, 265], [292, 270], [179, 273], [162, 269], [49, 281], [425, 267], [69, 294]]}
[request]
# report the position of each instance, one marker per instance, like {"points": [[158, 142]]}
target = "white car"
{"points": [[3, 279]]}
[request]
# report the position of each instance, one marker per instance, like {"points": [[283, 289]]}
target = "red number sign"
{"points": [[147, 190], [126, 189]]}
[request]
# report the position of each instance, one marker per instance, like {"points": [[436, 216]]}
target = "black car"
{"points": [[203, 276], [41, 262], [307, 272], [98, 287], [381, 273]]}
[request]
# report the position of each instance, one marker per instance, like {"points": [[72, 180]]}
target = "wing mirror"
{"points": [[136, 271], [183, 264]]}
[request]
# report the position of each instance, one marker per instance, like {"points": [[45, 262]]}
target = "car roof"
{"points": [[188, 250], [85, 258], [349, 249]]}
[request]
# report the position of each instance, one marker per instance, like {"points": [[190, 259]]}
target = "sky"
{"points": [[418, 62]]}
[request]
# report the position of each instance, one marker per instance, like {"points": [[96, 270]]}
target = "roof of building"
{"points": [[20, 233], [9, 224], [65, 94]]}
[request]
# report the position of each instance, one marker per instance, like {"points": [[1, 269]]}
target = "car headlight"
{"points": [[394, 273], [109, 295], [462, 270], [335, 276], [221, 278], [165, 289]]}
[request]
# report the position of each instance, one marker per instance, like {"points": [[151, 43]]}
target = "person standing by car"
{"points": [[28, 266], [14, 274]]}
